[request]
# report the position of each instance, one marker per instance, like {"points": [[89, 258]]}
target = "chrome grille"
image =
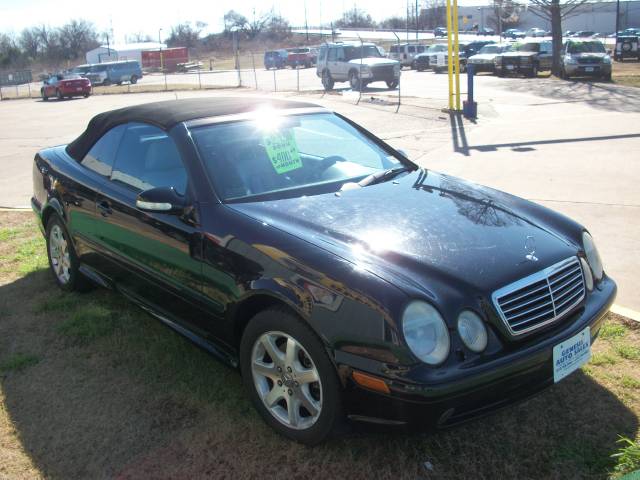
{"points": [[541, 298]]}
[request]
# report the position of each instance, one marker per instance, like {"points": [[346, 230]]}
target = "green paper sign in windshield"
{"points": [[282, 151]]}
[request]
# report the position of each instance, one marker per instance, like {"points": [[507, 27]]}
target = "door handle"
{"points": [[105, 208]]}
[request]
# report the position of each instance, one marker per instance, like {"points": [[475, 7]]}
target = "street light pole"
{"points": [[306, 25], [160, 47]]}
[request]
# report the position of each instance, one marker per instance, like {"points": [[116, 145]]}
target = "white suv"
{"points": [[358, 64]]}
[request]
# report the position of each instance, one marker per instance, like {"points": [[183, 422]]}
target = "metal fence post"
{"points": [[298, 77], [199, 78], [255, 75], [399, 76], [17, 92], [360, 72], [29, 87], [1, 94], [275, 86], [165, 80]]}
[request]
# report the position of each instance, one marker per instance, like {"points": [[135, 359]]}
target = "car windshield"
{"points": [[490, 49], [529, 47], [586, 47], [277, 156], [365, 51], [436, 48], [81, 70], [71, 76]]}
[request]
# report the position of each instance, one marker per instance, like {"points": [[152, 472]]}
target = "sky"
{"points": [[133, 16]]}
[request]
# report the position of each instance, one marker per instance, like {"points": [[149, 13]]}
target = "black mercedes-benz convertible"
{"points": [[343, 280]]}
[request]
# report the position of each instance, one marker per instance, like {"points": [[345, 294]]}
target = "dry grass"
{"points": [[93, 387]]}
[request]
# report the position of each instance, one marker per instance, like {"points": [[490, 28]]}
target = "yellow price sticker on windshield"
{"points": [[283, 151]]}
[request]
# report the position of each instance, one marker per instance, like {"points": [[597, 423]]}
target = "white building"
{"points": [[124, 51]]}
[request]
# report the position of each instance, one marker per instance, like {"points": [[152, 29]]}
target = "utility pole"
{"points": [[306, 25], [617, 18], [160, 47], [407, 20], [417, 20]]}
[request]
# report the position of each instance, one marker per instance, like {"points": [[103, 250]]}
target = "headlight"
{"points": [[425, 332], [472, 331], [588, 276], [593, 257], [569, 60], [606, 59]]}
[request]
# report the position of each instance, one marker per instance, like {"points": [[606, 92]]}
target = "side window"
{"points": [[340, 54], [412, 49], [102, 155], [333, 54], [420, 48], [148, 158]]}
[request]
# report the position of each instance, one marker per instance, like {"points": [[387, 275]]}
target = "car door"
{"points": [[50, 86], [545, 56], [154, 257]]}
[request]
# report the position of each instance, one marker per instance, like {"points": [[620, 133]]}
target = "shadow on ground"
{"points": [[596, 93], [115, 407]]}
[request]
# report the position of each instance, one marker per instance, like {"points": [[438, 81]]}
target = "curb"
{"points": [[625, 312]]}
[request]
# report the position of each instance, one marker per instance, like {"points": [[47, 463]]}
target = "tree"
{"points": [[434, 14], [505, 14], [554, 11], [139, 37], [76, 38], [233, 19], [254, 27], [185, 35], [30, 42], [277, 28], [393, 23], [9, 51], [355, 18]]}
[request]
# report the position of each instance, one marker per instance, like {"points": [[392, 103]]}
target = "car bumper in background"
{"points": [[484, 388], [588, 70]]}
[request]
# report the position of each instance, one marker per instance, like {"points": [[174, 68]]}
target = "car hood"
{"points": [[518, 54], [483, 56], [421, 227], [373, 61], [594, 55]]}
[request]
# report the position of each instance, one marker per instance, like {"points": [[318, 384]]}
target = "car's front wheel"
{"points": [[63, 260], [392, 84], [354, 80], [327, 81], [133, 80], [44, 95], [289, 377]]}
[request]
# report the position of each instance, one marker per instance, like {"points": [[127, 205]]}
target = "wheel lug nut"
{"points": [[279, 369], [290, 392], [279, 383], [289, 369], [296, 384]]}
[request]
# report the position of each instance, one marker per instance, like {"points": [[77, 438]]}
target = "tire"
{"points": [[63, 261], [607, 77], [59, 95], [420, 69], [392, 85], [44, 96], [86, 95], [354, 80], [327, 81], [534, 71], [284, 331], [133, 80]]}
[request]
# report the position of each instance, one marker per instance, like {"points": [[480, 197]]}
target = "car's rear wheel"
{"points": [[534, 71], [86, 95], [63, 260], [289, 377], [392, 84], [44, 95], [327, 81], [134, 79], [354, 80]]}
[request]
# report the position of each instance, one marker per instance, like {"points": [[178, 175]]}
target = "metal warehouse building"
{"points": [[125, 51]]}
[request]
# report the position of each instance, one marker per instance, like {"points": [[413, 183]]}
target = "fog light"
{"points": [[472, 331]]}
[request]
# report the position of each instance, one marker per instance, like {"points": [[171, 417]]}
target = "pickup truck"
{"points": [[301, 57]]}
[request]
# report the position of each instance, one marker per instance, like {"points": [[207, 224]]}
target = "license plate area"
{"points": [[571, 354], [588, 69]]}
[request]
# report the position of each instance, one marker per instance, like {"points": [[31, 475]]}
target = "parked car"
{"points": [[422, 61], [405, 53], [440, 32], [585, 58], [275, 59], [535, 32], [568, 33], [108, 73], [439, 61], [486, 31], [300, 57], [631, 31], [513, 33], [254, 237], [583, 34], [483, 61], [65, 86], [358, 64], [81, 70], [527, 58], [626, 47]]}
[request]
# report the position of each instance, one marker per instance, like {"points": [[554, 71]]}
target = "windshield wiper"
{"points": [[382, 176]]}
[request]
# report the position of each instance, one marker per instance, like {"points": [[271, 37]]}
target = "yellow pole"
{"points": [[449, 54], [456, 51]]}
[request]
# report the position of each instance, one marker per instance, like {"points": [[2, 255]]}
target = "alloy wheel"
{"points": [[286, 380], [59, 253]]}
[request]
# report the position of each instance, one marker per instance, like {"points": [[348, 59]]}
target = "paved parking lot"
{"points": [[572, 146]]}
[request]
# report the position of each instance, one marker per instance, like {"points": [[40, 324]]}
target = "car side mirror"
{"points": [[161, 200]]}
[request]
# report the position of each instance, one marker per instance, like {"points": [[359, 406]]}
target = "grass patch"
{"points": [[630, 382], [628, 457], [627, 351], [88, 323], [18, 362], [599, 359], [627, 80], [612, 330], [59, 303], [8, 233]]}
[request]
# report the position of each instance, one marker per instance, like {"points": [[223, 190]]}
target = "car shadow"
{"points": [[82, 411]]}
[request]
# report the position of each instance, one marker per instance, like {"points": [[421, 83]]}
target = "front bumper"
{"points": [[483, 67], [481, 389], [588, 70]]}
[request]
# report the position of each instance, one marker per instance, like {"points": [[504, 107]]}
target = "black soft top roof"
{"points": [[168, 113]]}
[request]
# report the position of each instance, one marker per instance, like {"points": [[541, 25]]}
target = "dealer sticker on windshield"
{"points": [[283, 151], [571, 354]]}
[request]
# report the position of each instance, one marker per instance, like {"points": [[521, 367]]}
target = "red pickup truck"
{"points": [[65, 86], [304, 56]]}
